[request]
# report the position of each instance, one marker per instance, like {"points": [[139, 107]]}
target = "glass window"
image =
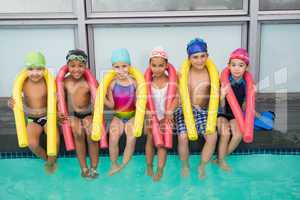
{"points": [[139, 41], [164, 5], [16, 42], [36, 6], [279, 59], [268, 5]]}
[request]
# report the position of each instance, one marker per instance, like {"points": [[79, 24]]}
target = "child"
{"points": [[78, 94], [199, 90], [158, 64], [227, 124], [35, 101], [121, 97]]}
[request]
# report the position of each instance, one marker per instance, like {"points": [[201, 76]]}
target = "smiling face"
{"points": [[35, 74], [76, 68], [198, 60], [158, 66], [122, 69], [237, 68]]}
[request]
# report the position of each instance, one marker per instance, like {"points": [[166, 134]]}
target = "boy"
{"points": [[35, 100], [78, 95], [199, 91]]}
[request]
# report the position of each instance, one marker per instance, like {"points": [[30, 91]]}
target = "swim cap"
{"points": [[35, 59], [77, 54], [196, 45], [120, 55], [158, 52], [241, 54]]}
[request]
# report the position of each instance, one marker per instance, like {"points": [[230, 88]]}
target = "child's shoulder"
{"points": [[133, 81], [67, 80], [112, 83]]}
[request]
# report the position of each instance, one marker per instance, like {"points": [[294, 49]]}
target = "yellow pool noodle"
{"points": [[140, 103], [51, 112], [186, 102]]}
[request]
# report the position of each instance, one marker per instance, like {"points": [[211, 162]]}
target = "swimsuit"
{"points": [[38, 120], [124, 98], [239, 90]]}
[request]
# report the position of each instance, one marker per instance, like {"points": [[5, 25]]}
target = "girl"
{"points": [[121, 97], [158, 65], [227, 124]]}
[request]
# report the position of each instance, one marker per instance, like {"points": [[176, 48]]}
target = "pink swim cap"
{"points": [[158, 52], [241, 54]]}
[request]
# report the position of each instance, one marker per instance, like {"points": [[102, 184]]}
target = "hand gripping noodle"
{"points": [[51, 112], [213, 100], [140, 103], [246, 124], [161, 139], [62, 106]]}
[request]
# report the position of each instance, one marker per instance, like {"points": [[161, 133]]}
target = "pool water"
{"points": [[257, 176]]}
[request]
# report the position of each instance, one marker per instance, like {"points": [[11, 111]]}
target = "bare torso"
{"points": [[35, 98], [78, 94], [199, 87]]}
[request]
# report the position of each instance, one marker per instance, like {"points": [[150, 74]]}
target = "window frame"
{"points": [[134, 14]]}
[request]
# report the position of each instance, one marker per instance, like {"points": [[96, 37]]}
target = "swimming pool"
{"points": [[257, 176]]}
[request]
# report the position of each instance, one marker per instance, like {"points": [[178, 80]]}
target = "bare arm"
{"points": [[176, 101], [61, 117], [223, 92], [109, 101], [174, 104]]}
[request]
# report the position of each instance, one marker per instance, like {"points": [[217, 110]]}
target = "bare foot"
{"points": [[85, 173], [114, 169], [158, 175], [150, 170], [93, 173], [201, 171], [50, 167], [223, 165], [185, 171], [215, 161]]}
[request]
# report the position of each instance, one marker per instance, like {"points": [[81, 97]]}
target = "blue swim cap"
{"points": [[195, 46], [120, 55]]}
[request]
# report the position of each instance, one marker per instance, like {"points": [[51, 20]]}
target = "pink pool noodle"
{"points": [[246, 124], [161, 139]]}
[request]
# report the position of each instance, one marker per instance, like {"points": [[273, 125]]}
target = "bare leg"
{"points": [[207, 151], [162, 155], [149, 152], [183, 150], [34, 132], [79, 137], [224, 131], [93, 147], [130, 142], [115, 132], [236, 136], [50, 165]]}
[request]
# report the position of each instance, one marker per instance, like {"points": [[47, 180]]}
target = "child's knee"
{"points": [[237, 136], [115, 128], [33, 144], [113, 139], [225, 132], [78, 135], [223, 126], [149, 138], [212, 138], [183, 140]]}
